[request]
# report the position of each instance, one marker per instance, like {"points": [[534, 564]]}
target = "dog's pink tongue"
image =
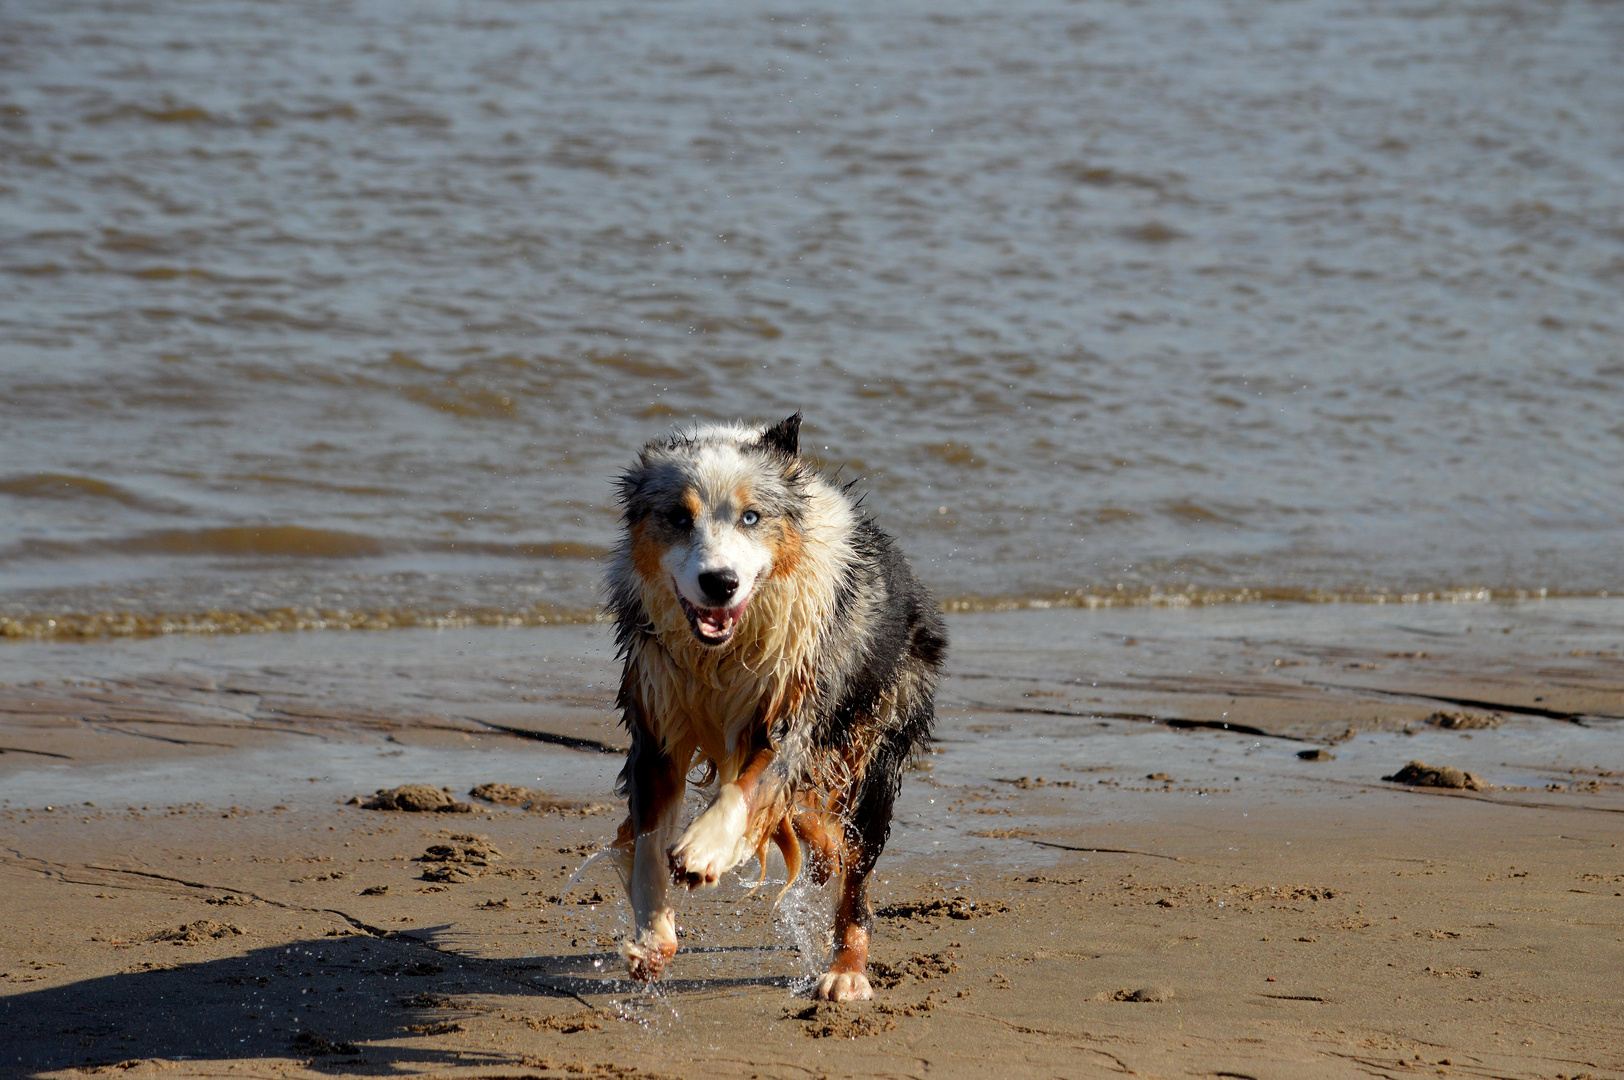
{"points": [[718, 621]]}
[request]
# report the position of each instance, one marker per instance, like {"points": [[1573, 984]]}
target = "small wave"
{"points": [[1152, 596], [168, 113], [170, 273], [76, 626], [1103, 176], [1154, 232], [91, 626], [290, 541], [269, 540], [1187, 510], [66, 486], [475, 402], [955, 453]]}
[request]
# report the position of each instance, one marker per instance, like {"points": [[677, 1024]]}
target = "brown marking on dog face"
{"points": [[788, 547], [646, 554], [743, 496], [691, 503]]}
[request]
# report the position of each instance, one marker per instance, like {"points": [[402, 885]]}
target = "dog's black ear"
{"points": [[784, 436], [630, 486]]}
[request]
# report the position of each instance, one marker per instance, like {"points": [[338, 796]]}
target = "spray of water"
{"points": [[797, 925], [564, 894], [801, 920]]}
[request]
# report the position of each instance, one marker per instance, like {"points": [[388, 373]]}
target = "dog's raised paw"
{"points": [[696, 869], [645, 961], [843, 986], [711, 845]]}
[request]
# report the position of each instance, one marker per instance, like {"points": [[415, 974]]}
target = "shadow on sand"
{"points": [[344, 1004]]}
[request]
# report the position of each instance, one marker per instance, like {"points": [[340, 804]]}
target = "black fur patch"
{"points": [[784, 437], [908, 636]]}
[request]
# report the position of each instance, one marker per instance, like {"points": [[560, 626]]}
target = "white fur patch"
{"points": [[715, 843], [843, 986], [719, 542], [647, 954]]}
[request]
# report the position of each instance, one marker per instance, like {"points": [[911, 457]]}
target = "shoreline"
{"points": [[1151, 891], [98, 626]]}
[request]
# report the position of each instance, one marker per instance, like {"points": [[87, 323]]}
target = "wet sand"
{"points": [[1092, 875]]}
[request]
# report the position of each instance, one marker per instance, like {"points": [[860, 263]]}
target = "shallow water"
{"points": [[1058, 694], [327, 772], [346, 314]]}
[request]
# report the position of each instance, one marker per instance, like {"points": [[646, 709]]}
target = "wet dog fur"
{"points": [[774, 639]]}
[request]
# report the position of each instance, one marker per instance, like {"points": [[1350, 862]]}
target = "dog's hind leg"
{"points": [[865, 829], [846, 979]]}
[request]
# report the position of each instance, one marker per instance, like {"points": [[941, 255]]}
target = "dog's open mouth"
{"points": [[712, 626]]}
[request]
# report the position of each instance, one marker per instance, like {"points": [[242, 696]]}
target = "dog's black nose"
{"points": [[719, 585]]}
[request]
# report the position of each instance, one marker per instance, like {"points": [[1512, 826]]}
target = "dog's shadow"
{"points": [[353, 1004]]}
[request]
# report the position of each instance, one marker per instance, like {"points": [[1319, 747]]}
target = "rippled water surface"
{"points": [[310, 310]]}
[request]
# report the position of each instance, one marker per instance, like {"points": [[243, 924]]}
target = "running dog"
{"points": [[776, 641]]}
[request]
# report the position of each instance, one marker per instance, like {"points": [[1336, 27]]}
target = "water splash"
{"points": [[563, 894], [802, 919]]}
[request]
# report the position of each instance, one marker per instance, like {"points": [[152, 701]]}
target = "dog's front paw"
{"points": [[711, 846], [646, 960], [843, 986], [653, 947]]}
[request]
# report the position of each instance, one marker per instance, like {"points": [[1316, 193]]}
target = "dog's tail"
{"points": [[782, 834], [790, 846]]}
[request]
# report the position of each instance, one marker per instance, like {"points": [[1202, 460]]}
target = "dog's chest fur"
{"points": [[712, 699]]}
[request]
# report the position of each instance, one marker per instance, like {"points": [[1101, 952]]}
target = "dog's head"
{"points": [[713, 513]]}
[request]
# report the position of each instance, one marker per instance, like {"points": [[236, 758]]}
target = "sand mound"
{"points": [[1420, 774], [534, 801], [1462, 721], [503, 794], [309, 1042], [428, 1001], [1157, 994], [416, 798], [444, 1027], [462, 860], [450, 875], [465, 848], [831, 1020], [958, 907], [1003, 834], [195, 933], [569, 1025], [921, 966]]}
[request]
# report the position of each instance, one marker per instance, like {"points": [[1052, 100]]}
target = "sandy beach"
{"points": [[1117, 861]]}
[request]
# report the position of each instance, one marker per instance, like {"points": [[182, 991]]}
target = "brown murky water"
{"points": [[345, 314]]}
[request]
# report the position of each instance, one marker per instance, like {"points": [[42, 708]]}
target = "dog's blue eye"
{"points": [[750, 517]]}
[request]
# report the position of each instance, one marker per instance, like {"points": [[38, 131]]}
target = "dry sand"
{"points": [[1093, 875]]}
